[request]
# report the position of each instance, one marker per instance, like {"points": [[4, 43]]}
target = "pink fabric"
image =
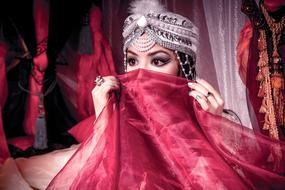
{"points": [[157, 137], [4, 152]]}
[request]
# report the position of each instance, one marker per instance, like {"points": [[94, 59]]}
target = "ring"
{"points": [[198, 97], [209, 94], [99, 80]]}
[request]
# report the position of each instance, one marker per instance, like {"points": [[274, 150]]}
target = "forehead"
{"points": [[155, 48]]}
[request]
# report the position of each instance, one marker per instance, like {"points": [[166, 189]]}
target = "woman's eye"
{"points": [[159, 62], [131, 61]]}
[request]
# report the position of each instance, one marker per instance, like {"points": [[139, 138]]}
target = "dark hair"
{"points": [[190, 73], [188, 64]]}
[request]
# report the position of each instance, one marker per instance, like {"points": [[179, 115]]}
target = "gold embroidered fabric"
{"points": [[270, 76]]}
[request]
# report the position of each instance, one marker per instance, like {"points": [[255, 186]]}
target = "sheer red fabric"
{"points": [[247, 57], [157, 137]]}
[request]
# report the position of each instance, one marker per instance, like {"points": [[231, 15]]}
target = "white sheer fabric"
{"points": [[224, 21], [219, 23]]}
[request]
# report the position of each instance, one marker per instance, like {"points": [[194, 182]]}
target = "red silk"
{"points": [[157, 137], [77, 79], [41, 19], [39, 66], [82, 129], [243, 47], [4, 152]]}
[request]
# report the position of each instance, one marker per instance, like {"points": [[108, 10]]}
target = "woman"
{"points": [[155, 136], [176, 58]]}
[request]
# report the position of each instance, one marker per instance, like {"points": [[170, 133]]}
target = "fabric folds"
{"points": [[157, 137]]}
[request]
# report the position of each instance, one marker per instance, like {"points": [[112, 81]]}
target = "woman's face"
{"points": [[157, 58]]}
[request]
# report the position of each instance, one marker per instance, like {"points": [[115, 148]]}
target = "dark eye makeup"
{"points": [[131, 61], [158, 59]]}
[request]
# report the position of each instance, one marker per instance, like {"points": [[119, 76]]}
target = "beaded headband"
{"points": [[167, 29], [150, 23]]}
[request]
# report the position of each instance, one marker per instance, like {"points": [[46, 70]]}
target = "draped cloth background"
{"points": [[4, 152], [219, 22]]}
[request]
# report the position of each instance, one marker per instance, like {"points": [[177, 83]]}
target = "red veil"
{"points": [[157, 137]]}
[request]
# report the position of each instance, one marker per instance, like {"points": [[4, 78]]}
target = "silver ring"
{"points": [[209, 94], [99, 80], [198, 97]]}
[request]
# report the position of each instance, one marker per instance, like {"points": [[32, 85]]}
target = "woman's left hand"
{"points": [[209, 99]]}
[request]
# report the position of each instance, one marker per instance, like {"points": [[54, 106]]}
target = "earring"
{"points": [[125, 61]]}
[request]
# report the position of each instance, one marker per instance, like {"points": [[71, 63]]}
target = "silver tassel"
{"points": [[41, 131]]}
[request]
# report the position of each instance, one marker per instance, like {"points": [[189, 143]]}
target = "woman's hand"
{"points": [[209, 99], [101, 92]]}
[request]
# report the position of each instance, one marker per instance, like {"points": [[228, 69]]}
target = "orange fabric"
{"points": [[243, 47]]}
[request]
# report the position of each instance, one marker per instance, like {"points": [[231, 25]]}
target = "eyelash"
{"points": [[129, 61], [160, 61]]}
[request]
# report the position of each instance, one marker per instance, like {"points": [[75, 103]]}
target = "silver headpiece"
{"points": [[160, 26]]}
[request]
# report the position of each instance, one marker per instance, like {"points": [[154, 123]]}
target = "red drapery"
{"points": [[77, 79], [4, 152], [157, 137]]}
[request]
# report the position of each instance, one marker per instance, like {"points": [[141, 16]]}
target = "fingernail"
{"points": [[190, 84], [198, 79], [198, 97]]}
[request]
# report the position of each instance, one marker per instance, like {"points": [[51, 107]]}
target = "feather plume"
{"points": [[143, 7]]}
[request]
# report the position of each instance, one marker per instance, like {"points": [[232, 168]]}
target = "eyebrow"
{"points": [[149, 54], [129, 51], [156, 52]]}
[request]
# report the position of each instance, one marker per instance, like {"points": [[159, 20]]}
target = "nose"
{"points": [[144, 64]]}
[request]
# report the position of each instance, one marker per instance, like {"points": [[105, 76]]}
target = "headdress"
{"points": [[165, 28]]}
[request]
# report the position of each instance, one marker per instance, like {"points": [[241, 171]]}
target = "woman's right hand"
{"points": [[101, 93]]}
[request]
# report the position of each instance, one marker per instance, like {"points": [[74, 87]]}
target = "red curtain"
{"points": [[77, 79], [4, 152]]}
